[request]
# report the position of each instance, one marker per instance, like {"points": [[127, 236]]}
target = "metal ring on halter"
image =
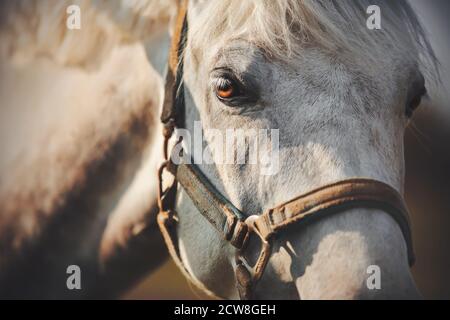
{"points": [[165, 166], [160, 184], [257, 269]]}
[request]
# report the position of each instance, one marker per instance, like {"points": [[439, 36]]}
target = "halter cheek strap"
{"points": [[229, 221]]}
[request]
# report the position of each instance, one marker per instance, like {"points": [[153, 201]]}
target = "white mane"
{"points": [[281, 28]]}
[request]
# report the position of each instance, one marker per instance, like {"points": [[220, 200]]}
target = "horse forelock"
{"points": [[283, 28]]}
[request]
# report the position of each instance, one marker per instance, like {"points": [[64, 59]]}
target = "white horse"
{"points": [[339, 93], [341, 96]]}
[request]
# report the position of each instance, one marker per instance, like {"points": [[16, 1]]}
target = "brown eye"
{"points": [[233, 90], [226, 88], [225, 92]]}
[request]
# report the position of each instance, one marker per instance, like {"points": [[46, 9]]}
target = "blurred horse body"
{"points": [[78, 113]]}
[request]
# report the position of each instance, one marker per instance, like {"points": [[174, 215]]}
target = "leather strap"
{"points": [[338, 197], [324, 201], [172, 115], [173, 107], [221, 213]]}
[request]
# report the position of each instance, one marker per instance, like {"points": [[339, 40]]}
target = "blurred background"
{"points": [[49, 82]]}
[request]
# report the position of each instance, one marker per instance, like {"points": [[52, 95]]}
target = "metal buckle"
{"points": [[257, 269]]}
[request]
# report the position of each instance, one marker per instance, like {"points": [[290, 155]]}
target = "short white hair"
{"points": [[282, 28]]}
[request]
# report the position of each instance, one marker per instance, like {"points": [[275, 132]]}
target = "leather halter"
{"points": [[228, 220]]}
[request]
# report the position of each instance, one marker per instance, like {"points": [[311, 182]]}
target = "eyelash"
{"points": [[239, 93], [224, 86]]}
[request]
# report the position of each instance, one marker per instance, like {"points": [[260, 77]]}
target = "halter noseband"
{"points": [[229, 221]]}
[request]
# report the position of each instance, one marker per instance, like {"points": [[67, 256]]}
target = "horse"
{"points": [[78, 113], [339, 93]]}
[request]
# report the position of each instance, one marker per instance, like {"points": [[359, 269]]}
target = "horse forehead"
{"points": [[210, 52]]}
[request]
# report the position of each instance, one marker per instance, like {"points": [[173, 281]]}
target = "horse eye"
{"points": [[226, 88], [415, 100], [234, 90], [415, 94]]}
